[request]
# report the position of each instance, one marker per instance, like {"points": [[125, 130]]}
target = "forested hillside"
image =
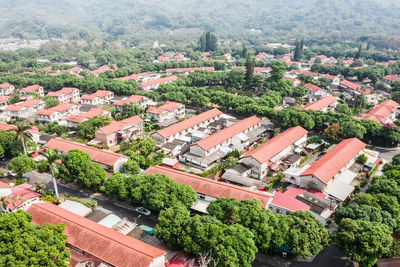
{"points": [[124, 19]]}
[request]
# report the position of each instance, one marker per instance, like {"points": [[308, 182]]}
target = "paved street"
{"points": [[121, 209]]}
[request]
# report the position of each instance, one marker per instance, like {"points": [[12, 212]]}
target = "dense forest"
{"points": [[256, 20]]}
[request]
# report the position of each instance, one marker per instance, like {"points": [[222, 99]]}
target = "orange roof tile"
{"points": [[95, 239], [332, 162], [217, 138], [381, 111], [321, 104], [186, 124], [98, 155], [210, 187], [116, 126], [275, 145], [189, 69], [355, 87], [159, 81], [312, 87], [5, 85]]}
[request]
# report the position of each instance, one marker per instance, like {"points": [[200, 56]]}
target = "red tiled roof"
{"points": [[75, 118], [4, 98], [19, 195], [189, 69], [132, 99], [59, 108], [45, 68], [98, 155], [14, 107], [4, 126], [312, 87], [116, 126], [5, 85], [392, 78], [159, 81], [89, 97], [168, 106], [98, 93], [30, 103], [332, 162], [321, 104], [132, 76], [95, 239], [210, 187], [65, 90], [355, 87], [287, 200], [192, 121], [381, 111], [94, 112], [4, 185], [275, 145], [224, 134], [30, 88]]}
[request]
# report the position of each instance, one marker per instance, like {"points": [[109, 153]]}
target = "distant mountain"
{"points": [[124, 19]]}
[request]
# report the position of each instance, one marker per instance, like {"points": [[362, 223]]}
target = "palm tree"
{"points": [[20, 132], [52, 156]]}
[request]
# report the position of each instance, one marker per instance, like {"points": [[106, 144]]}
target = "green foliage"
{"points": [[365, 212], [19, 181], [315, 139], [86, 129], [249, 213], [77, 166], [146, 146], [155, 192], [1, 173], [131, 167], [50, 198], [14, 99], [54, 128], [362, 159], [207, 42], [31, 245], [50, 101], [21, 165], [126, 111], [363, 241], [301, 233]]}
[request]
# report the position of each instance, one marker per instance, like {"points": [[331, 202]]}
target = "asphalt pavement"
{"points": [[119, 208]]}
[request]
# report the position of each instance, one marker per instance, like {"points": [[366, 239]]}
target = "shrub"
{"points": [[19, 181], [42, 167], [1, 173]]}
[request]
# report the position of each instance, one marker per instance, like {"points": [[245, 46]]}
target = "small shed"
{"points": [[170, 163]]}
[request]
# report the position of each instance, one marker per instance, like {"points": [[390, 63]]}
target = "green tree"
{"points": [[171, 224], [343, 109], [51, 157], [50, 101], [301, 233], [350, 129], [86, 129], [21, 165], [31, 245], [363, 241], [249, 68], [362, 159], [131, 167], [21, 132], [146, 146]]}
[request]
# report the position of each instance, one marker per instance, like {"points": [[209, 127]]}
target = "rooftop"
{"points": [[106, 244], [321, 104], [274, 146]]}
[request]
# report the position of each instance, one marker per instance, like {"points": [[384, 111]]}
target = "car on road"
{"points": [[12, 174], [143, 210]]}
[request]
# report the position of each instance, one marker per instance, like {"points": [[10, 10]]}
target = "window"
{"points": [[278, 211]]}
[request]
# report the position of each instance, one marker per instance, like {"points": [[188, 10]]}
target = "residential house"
{"points": [[6, 89], [332, 172], [390, 79], [18, 197], [3, 102], [270, 154], [354, 88], [154, 84], [32, 88], [314, 92], [172, 132], [100, 97], [5, 189], [25, 110], [103, 69], [167, 112], [214, 147], [325, 104], [74, 120], [186, 71], [110, 161], [74, 70], [120, 131], [296, 199], [143, 77], [91, 242], [66, 94], [58, 113], [384, 112], [209, 190], [139, 100]]}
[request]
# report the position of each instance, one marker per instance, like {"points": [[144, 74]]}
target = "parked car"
{"points": [[143, 210], [13, 174]]}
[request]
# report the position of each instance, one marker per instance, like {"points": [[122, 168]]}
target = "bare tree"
{"points": [[205, 259]]}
